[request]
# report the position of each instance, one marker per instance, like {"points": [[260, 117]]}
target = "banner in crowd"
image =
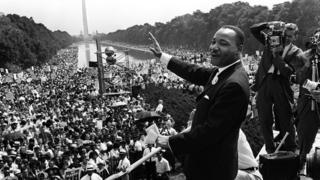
{"points": [[72, 174]]}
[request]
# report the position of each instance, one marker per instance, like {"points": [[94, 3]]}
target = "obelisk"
{"points": [[85, 34]]}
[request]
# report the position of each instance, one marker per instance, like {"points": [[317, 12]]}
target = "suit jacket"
{"points": [[210, 147], [287, 66], [304, 73]]}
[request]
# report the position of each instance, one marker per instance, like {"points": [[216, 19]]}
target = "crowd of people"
{"points": [[54, 125]]}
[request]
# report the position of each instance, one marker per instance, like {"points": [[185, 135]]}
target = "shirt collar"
{"points": [[221, 69]]}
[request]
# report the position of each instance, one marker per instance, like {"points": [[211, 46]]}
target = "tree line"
{"points": [[195, 31], [25, 43]]}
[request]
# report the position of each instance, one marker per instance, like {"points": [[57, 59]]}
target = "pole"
{"points": [[102, 88], [126, 52], [134, 165]]}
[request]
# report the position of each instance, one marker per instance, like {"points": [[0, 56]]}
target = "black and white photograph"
{"points": [[159, 90]]}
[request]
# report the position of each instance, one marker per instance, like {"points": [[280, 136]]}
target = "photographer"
{"points": [[279, 61], [308, 114]]}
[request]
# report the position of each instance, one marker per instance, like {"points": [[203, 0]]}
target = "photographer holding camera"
{"points": [[272, 80], [309, 98]]}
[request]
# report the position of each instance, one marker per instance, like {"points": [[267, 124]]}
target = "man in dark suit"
{"points": [[308, 114], [273, 86], [210, 147]]}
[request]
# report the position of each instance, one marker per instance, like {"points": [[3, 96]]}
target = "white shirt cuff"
{"points": [[165, 58]]}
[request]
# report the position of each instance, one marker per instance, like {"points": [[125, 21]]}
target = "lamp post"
{"points": [[102, 88]]}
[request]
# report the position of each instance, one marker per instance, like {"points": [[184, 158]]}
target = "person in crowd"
{"points": [[8, 174], [214, 132], [272, 83], [91, 175], [308, 114], [168, 130], [150, 164], [162, 167], [247, 164], [124, 163], [159, 108], [103, 170]]}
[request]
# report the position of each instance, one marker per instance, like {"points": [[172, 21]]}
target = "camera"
{"points": [[311, 85], [315, 41], [276, 37]]}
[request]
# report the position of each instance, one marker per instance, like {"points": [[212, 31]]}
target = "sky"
{"points": [[107, 16]]}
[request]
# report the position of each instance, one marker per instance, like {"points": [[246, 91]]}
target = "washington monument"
{"points": [[85, 30]]}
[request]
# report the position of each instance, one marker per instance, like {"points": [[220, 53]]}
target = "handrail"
{"points": [[134, 165]]}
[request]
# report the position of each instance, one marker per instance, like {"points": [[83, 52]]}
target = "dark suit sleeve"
{"points": [[302, 71], [257, 29], [224, 117], [190, 72], [285, 68]]}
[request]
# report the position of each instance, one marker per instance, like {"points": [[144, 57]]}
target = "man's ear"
{"points": [[240, 47]]}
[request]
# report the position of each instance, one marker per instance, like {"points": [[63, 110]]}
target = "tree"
{"points": [[195, 30], [24, 43]]}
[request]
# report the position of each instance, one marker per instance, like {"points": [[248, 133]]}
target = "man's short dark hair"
{"points": [[239, 33]]}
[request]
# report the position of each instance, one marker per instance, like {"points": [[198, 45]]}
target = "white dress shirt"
{"points": [[94, 176], [162, 166], [220, 70]]}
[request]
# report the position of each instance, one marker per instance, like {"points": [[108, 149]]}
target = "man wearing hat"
{"points": [[7, 174], [102, 169], [91, 175], [124, 163], [150, 163]]}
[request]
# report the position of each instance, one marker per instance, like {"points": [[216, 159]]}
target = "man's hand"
{"points": [[163, 141], [276, 51], [276, 24], [156, 49], [124, 170], [315, 95]]}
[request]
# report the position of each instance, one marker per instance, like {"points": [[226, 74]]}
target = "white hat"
{"points": [[90, 167], [122, 151]]}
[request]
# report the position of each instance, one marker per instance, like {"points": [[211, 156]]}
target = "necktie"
{"points": [[284, 53], [150, 152]]}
